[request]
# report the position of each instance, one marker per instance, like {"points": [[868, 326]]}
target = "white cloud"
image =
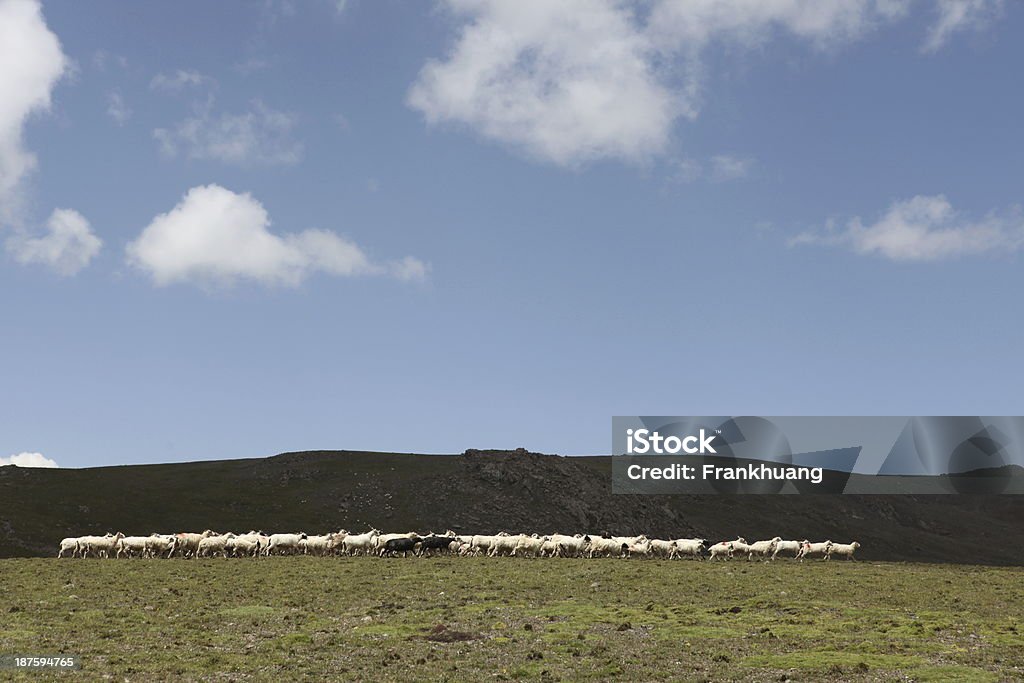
{"points": [[924, 228], [216, 236], [719, 168], [101, 59], [253, 65], [28, 460], [578, 80], [31, 63], [567, 82], [686, 171], [180, 80], [117, 109], [958, 15], [408, 269], [67, 247], [689, 25], [261, 136], [728, 167], [274, 9]]}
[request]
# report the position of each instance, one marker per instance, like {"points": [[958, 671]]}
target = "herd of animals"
{"points": [[373, 542]]}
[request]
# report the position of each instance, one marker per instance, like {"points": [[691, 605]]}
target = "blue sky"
{"points": [[235, 229]]}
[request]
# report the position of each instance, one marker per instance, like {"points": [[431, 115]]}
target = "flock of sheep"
{"points": [[373, 542]]}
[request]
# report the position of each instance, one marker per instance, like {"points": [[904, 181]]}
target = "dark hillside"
{"points": [[480, 491]]}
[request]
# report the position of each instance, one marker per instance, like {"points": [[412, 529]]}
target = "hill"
{"points": [[478, 491]]}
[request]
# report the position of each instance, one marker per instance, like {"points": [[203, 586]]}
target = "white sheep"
{"points": [[530, 546], [569, 546], [188, 543], [688, 546], [315, 545], [762, 548], [808, 549], [360, 543], [159, 546], [660, 548], [132, 546], [68, 545], [843, 550], [101, 546], [285, 544], [505, 545], [211, 546], [605, 547], [787, 546], [725, 549]]}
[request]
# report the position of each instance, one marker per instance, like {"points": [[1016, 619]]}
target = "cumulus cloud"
{"points": [[573, 81], [728, 167], [959, 15], [67, 246], [924, 228], [260, 136], [686, 171], [28, 460], [101, 59], [566, 81], [31, 63], [686, 25], [216, 236], [117, 109], [179, 80], [719, 168]]}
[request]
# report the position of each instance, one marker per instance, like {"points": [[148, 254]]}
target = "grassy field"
{"points": [[503, 619]]}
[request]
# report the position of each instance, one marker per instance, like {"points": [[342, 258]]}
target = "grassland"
{"points": [[504, 619]]}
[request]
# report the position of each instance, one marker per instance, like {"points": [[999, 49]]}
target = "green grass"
{"points": [[507, 619]]}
